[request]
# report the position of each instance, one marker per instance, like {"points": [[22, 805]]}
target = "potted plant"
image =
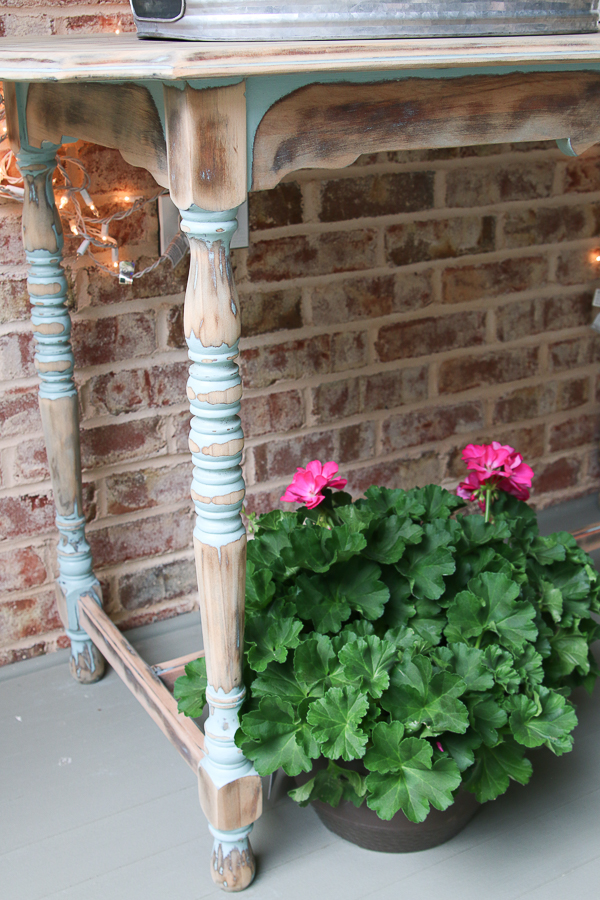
{"points": [[405, 650]]}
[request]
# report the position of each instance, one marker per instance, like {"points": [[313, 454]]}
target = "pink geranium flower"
{"points": [[308, 484], [494, 466]]}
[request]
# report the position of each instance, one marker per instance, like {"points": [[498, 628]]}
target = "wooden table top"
{"points": [[125, 57]]}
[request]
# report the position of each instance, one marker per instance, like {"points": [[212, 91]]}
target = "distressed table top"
{"points": [[125, 57]]}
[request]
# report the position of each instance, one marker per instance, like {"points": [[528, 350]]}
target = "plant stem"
{"points": [[488, 503]]}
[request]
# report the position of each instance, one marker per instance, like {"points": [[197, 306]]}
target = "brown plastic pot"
{"points": [[363, 826]]}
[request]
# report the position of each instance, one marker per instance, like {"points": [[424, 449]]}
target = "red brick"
{"points": [[181, 431], [107, 444], [376, 195], [431, 424], [21, 569], [574, 433], [92, 24], [280, 458], [335, 400], [114, 338], [529, 442], [349, 351], [125, 391], [578, 266], [14, 299], [268, 414], [475, 282], [498, 367], [421, 337], [489, 184], [572, 392], [386, 390], [525, 317], [31, 462], [581, 175], [11, 244], [20, 26], [557, 475], [573, 352], [370, 298], [292, 360], [164, 281], [20, 619], [160, 534], [548, 225], [355, 442], [400, 473], [275, 208], [110, 172], [525, 403], [16, 356], [414, 242], [263, 313], [19, 412], [317, 254], [264, 501], [175, 335], [10, 655], [157, 584], [30, 514], [129, 491]]}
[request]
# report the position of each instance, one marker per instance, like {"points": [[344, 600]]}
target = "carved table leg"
{"points": [[230, 789], [43, 240]]}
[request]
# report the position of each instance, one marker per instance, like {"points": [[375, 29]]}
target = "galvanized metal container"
{"points": [[284, 20]]}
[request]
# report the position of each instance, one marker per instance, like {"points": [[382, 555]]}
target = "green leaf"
{"points": [[388, 540], [425, 565], [494, 768], [414, 782], [310, 548], [571, 579], [569, 650], [367, 662], [346, 542], [329, 600], [273, 736], [500, 664], [268, 640], [529, 666], [461, 747], [490, 605], [190, 689], [280, 681], [303, 794], [399, 608], [551, 600], [551, 724], [486, 717], [335, 721], [382, 500], [477, 532], [260, 588], [418, 698], [438, 502], [312, 663], [546, 550], [265, 550], [470, 666]]}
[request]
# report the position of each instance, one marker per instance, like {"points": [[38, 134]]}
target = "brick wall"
{"points": [[392, 312]]}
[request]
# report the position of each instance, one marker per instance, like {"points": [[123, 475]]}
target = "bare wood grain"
{"points": [[142, 682], [232, 806], [123, 117], [124, 57], [221, 582], [60, 421], [212, 307], [42, 227], [206, 143], [12, 116], [328, 126]]}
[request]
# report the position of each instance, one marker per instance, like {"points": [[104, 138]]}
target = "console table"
{"points": [[210, 122]]}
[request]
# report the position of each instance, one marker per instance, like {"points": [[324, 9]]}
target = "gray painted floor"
{"points": [[95, 804]]}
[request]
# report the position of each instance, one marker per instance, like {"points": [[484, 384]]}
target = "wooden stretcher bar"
{"points": [[142, 681]]}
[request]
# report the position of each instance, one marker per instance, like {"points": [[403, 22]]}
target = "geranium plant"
{"points": [[408, 632]]}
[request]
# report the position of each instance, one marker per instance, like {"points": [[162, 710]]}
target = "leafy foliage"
{"points": [[409, 648]]}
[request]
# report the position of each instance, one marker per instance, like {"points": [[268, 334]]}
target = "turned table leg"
{"points": [[230, 789], [43, 240]]}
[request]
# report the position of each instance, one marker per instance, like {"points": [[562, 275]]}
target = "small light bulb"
{"points": [[4, 128], [63, 202], [598, 259], [74, 228], [117, 31], [126, 198], [92, 207]]}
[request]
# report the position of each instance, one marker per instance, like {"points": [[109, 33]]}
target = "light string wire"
{"points": [[93, 229]]}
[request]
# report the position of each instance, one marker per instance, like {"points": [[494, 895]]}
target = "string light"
{"points": [[94, 230]]}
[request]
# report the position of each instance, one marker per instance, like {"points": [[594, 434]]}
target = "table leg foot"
{"points": [[232, 865], [87, 665]]}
